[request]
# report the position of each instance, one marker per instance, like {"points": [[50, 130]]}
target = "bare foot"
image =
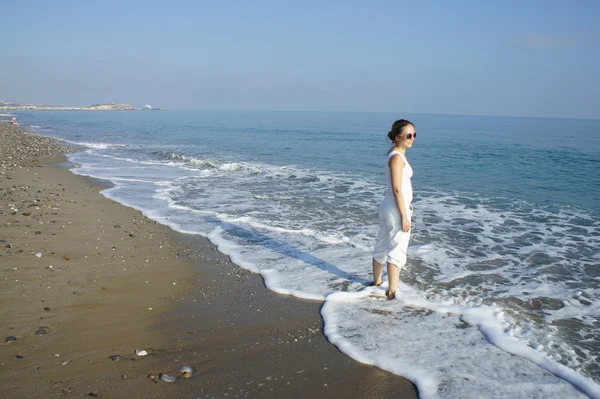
{"points": [[375, 284], [390, 295]]}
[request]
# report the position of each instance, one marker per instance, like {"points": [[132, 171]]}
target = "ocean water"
{"points": [[501, 293]]}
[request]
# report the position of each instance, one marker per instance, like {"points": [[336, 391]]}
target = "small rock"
{"points": [[39, 254], [65, 363], [20, 357], [93, 395], [115, 358], [37, 232], [47, 309], [131, 235], [10, 339], [42, 330], [167, 378], [141, 352], [67, 257], [185, 372]]}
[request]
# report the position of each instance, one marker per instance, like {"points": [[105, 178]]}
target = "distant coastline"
{"points": [[18, 106]]}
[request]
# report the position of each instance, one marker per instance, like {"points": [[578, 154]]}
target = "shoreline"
{"points": [[240, 338]]}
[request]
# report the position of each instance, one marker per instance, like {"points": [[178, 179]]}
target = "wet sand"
{"points": [[109, 281]]}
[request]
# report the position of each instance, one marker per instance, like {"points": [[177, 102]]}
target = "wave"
{"points": [[212, 163], [96, 145], [417, 347]]}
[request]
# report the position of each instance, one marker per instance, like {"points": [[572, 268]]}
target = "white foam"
{"points": [[432, 345], [95, 145], [215, 164]]}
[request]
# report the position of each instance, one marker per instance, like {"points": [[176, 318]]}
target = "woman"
{"points": [[396, 209]]}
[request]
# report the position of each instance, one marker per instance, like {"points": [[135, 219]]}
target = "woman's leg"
{"points": [[377, 272], [393, 280], [396, 260]]}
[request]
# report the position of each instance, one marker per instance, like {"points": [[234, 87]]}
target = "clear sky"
{"points": [[522, 58]]}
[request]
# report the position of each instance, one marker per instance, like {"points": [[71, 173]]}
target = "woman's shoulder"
{"points": [[396, 161], [392, 153]]}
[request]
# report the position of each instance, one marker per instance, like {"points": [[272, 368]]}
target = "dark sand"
{"points": [[111, 281]]}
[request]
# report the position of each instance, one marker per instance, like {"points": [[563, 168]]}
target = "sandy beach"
{"points": [[85, 282]]}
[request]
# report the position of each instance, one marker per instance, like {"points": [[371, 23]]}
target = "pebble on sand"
{"points": [[10, 339], [42, 330], [167, 378], [185, 372]]}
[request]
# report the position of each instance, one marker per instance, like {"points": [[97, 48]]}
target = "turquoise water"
{"points": [[546, 160], [506, 222]]}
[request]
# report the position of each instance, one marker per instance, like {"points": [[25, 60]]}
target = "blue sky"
{"points": [[521, 58]]}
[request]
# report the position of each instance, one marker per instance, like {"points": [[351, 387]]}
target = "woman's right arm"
{"points": [[396, 165]]}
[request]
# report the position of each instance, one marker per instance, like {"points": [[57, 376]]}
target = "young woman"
{"points": [[396, 209]]}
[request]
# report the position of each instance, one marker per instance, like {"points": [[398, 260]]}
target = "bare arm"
{"points": [[396, 165]]}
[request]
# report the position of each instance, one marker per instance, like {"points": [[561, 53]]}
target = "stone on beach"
{"points": [[167, 378], [18, 148], [185, 372], [42, 330], [10, 339]]}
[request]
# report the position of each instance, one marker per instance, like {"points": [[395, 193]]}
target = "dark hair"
{"points": [[397, 128]]}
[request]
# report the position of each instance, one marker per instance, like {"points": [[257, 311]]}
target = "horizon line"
{"points": [[325, 111]]}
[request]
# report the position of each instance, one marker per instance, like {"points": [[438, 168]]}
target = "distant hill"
{"points": [[16, 105]]}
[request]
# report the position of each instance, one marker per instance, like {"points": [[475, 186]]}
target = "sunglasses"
{"points": [[410, 136]]}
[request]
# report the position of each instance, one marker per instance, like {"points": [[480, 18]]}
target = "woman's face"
{"points": [[407, 137]]}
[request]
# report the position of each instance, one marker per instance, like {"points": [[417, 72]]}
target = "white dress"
{"points": [[392, 242]]}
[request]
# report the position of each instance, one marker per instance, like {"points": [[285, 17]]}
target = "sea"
{"points": [[500, 297]]}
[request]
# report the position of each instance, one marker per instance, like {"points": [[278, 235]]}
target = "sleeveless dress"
{"points": [[392, 242]]}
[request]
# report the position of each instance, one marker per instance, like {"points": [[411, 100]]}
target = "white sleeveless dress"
{"points": [[392, 242]]}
